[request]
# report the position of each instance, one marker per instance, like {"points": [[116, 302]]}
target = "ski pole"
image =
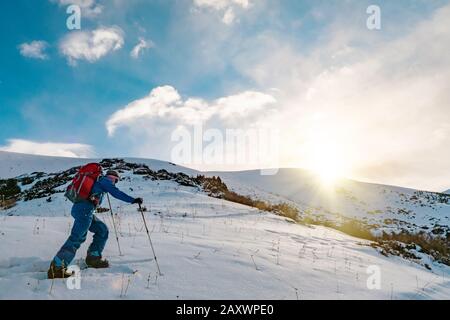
{"points": [[150, 239], [114, 224]]}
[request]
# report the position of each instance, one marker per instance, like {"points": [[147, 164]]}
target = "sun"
{"points": [[329, 164], [328, 175], [329, 172]]}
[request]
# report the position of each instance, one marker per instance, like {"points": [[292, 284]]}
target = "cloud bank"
{"points": [[374, 104], [72, 150], [148, 125], [165, 105], [380, 105]]}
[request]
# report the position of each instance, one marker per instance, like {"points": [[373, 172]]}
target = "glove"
{"points": [[138, 201]]}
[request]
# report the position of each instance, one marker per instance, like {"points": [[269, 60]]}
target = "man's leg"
{"points": [[101, 233], [82, 223]]}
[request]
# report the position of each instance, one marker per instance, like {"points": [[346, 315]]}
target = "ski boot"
{"points": [[96, 262], [55, 272]]}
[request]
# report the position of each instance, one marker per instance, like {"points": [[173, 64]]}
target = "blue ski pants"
{"points": [[85, 221]]}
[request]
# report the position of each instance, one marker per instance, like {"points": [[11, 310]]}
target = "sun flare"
{"points": [[328, 176], [329, 165]]}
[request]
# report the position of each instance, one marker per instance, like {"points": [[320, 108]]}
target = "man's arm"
{"points": [[108, 186]]}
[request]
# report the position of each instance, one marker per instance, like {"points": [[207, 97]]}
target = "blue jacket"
{"points": [[104, 185]]}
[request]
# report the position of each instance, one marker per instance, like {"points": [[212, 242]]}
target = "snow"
{"points": [[207, 249], [208, 254], [16, 164], [372, 203]]}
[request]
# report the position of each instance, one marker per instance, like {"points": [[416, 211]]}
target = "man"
{"points": [[85, 220]]}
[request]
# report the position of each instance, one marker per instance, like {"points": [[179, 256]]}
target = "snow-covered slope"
{"points": [[208, 248], [383, 207], [447, 192], [15, 164]]}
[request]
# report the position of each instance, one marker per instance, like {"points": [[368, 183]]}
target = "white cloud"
{"points": [[72, 150], [148, 124], [227, 8], [89, 8], [165, 105], [140, 47], [34, 49], [91, 45]]}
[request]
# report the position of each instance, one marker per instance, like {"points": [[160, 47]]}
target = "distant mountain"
{"points": [[447, 192], [381, 207]]}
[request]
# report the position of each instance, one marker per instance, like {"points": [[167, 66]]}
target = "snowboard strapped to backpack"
{"points": [[81, 186]]}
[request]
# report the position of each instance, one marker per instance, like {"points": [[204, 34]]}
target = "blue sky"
{"points": [[195, 48]]}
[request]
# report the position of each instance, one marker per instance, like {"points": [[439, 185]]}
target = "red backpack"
{"points": [[81, 186]]}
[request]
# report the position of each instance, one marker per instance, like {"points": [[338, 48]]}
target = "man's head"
{"points": [[113, 176]]}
